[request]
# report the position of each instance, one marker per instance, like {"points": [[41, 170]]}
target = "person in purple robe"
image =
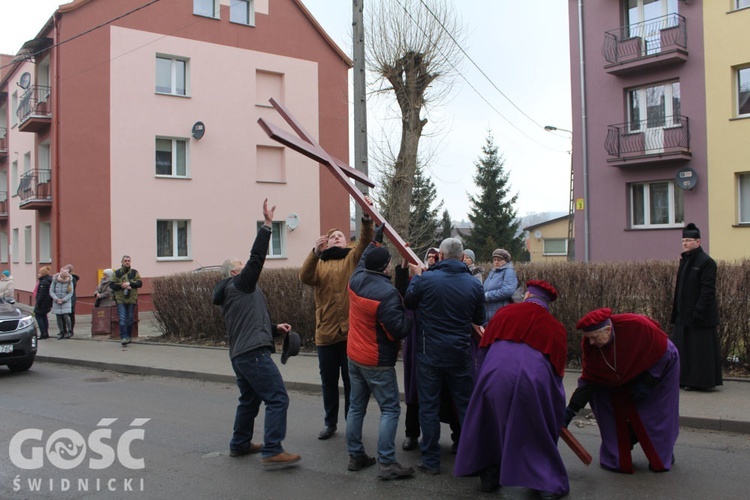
{"points": [[513, 422], [631, 379]]}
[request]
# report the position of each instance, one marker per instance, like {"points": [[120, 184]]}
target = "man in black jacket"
{"points": [[251, 343], [695, 315]]}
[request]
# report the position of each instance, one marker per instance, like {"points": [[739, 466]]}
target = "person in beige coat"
{"points": [[328, 268]]}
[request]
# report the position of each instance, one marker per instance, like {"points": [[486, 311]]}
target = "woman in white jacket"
{"points": [[61, 291]]}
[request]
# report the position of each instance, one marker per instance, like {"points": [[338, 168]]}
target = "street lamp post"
{"points": [[571, 203]]}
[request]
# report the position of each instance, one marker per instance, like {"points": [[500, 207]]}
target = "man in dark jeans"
{"points": [[125, 282], [251, 343], [450, 305]]}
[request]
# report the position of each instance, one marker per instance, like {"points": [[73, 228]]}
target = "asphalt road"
{"points": [[184, 449]]}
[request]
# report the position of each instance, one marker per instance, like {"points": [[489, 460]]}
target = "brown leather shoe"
{"points": [[254, 448], [281, 460]]}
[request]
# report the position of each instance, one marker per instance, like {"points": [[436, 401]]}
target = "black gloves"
{"points": [[569, 414], [378, 235], [642, 386]]}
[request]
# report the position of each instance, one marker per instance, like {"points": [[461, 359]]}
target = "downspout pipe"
{"points": [[584, 134], [56, 132]]}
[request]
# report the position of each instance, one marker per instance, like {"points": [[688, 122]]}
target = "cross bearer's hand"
{"points": [[268, 214]]}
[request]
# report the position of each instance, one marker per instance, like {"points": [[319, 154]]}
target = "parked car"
{"points": [[18, 338]]}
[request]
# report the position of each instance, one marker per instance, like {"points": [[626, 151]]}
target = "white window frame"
{"points": [[45, 242], [173, 75], [672, 192], [741, 4], [174, 164], [14, 178], [544, 246], [175, 223], [198, 6], [14, 246], [14, 109], [642, 94], [277, 245], [740, 72], [4, 247], [28, 245], [250, 18]]}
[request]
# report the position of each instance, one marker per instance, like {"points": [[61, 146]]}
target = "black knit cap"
{"points": [[377, 259], [691, 231]]}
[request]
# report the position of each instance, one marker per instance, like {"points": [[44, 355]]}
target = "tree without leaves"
{"points": [[411, 52], [492, 213], [423, 219]]}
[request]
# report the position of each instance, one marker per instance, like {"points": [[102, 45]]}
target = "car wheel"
{"points": [[20, 366]]}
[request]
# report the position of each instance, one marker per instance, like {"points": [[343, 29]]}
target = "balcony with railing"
{"points": [[643, 46], [648, 141], [34, 109], [3, 205], [3, 143], [35, 189]]}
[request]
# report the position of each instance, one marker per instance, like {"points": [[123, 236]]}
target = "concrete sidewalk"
{"points": [[726, 409]]}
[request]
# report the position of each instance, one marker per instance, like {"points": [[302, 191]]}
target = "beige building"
{"points": [[548, 241], [727, 49]]}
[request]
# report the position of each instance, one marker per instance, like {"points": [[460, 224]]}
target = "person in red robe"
{"points": [[514, 418], [631, 379]]}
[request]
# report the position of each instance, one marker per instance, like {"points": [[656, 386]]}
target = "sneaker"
{"points": [[283, 459], [428, 470], [60, 336], [67, 335], [394, 471], [254, 448], [360, 462]]}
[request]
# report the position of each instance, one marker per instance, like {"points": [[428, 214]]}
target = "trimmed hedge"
{"points": [[184, 311]]}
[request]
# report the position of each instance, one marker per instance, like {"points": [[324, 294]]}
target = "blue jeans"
{"points": [[430, 382], [125, 312], [259, 380], [380, 382], [332, 360]]}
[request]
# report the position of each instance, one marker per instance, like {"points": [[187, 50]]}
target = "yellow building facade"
{"points": [[727, 61]]}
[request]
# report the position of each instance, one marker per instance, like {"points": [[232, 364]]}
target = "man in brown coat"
{"points": [[328, 268]]}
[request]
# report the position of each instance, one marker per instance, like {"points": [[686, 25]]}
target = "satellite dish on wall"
{"points": [[198, 130], [686, 178], [25, 80], [292, 221], [537, 234]]}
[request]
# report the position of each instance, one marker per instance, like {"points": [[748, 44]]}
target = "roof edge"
{"points": [[317, 25]]}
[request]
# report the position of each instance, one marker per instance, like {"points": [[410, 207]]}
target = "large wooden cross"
{"points": [[308, 146]]}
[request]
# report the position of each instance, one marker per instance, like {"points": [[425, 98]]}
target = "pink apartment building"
{"points": [[139, 137], [644, 138]]}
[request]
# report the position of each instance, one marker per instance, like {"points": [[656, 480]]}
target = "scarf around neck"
{"points": [[335, 253]]}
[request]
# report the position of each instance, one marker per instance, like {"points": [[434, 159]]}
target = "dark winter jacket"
{"points": [[43, 299], [695, 292], [243, 304], [121, 276], [449, 299], [377, 318]]}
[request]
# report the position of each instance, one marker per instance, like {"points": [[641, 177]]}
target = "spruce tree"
{"points": [[424, 222], [423, 219], [446, 225], [492, 211]]}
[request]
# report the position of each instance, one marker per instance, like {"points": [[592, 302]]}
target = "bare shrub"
{"points": [[184, 310]]}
